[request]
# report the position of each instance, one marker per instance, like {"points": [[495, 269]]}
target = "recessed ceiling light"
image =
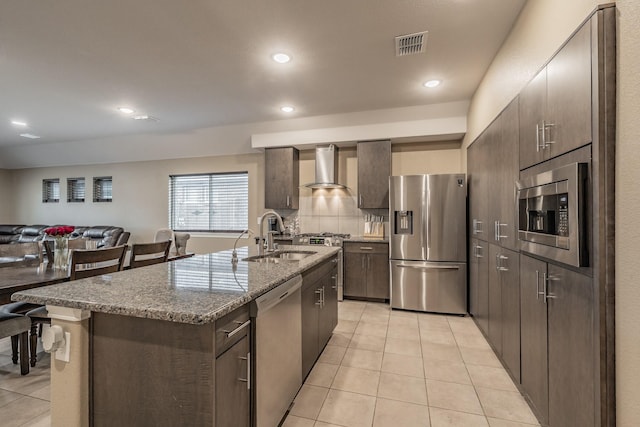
{"points": [[145, 117], [18, 123], [281, 58], [126, 110], [287, 109], [432, 83], [29, 135]]}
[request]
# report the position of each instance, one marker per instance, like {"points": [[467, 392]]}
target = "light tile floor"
{"points": [[398, 368], [381, 368], [24, 400]]}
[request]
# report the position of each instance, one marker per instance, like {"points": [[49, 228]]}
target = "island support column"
{"points": [[70, 380]]}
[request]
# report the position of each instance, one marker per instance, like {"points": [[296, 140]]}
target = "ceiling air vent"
{"points": [[411, 44]]}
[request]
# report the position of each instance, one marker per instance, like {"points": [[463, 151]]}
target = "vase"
{"points": [[61, 253]]}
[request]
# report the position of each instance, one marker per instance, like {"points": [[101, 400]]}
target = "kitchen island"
{"points": [[144, 343]]}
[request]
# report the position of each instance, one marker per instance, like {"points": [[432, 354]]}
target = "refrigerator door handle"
{"points": [[434, 267]]}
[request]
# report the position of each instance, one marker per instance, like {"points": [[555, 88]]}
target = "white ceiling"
{"points": [[66, 65]]}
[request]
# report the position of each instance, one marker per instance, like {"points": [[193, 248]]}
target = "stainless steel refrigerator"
{"points": [[428, 259]]}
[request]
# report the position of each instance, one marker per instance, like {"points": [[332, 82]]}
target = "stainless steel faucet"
{"points": [[267, 214]]}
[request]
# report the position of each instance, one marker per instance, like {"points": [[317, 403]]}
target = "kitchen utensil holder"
{"points": [[374, 230]]}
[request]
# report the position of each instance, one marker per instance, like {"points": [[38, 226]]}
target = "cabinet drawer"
{"points": [[367, 247], [231, 328]]}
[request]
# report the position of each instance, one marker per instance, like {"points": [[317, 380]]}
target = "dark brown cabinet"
{"points": [[478, 188], [493, 164], [504, 306], [374, 169], [366, 270], [557, 330], [555, 107], [572, 379], [233, 366], [319, 300], [232, 391], [281, 178], [533, 332], [479, 283]]}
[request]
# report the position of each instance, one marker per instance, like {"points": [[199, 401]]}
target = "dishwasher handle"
{"points": [[273, 297]]}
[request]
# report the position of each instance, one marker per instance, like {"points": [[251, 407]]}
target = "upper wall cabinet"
{"points": [[374, 169], [281, 178], [555, 107], [493, 171]]}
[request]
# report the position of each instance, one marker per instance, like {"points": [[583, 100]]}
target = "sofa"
{"points": [[105, 235]]}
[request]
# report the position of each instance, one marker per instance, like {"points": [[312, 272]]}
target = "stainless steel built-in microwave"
{"points": [[551, 214]]}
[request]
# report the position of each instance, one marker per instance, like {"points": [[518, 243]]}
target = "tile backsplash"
{"points": [[331, 211]]}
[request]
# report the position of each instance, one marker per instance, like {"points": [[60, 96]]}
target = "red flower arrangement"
{"points": [[60, 231]]}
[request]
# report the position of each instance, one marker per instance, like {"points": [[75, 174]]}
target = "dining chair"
{"points": [[17, 327], [143, 254], [84, 263], [88, 263], [16, 254]]}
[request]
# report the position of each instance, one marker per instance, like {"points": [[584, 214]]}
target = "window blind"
{"points": [[51, 190], [102, 189], [75, 190], [215, 202]]}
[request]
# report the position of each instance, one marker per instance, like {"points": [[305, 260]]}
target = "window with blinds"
{"points": [[51, 190], [102, 189], [215, 202], [75, 190]]}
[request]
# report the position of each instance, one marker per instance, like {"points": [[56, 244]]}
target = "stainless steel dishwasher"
{"points": [[278, 351]]}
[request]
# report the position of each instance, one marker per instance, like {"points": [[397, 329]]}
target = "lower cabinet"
{"points": [[232, 377], [319, 311], [232, 391], [479, 284], [558, 351], [366, 270], [504, 306]]}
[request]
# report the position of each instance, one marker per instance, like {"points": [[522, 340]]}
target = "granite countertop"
{"points": [[193, 290]]}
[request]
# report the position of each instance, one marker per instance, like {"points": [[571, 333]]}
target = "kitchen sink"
{"points": [[275, 257]]}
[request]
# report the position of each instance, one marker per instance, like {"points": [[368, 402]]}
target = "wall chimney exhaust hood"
{"points": [[326, 168]]}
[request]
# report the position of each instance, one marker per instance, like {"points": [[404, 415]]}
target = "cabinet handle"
{"points": [[540, 145], [538, 293], [229, 334], [366, 248], [323, 297], [477, 226], [478, 251], [499, 266], [335, 260], [359, 200], [546, 126], [335, 281], [495, 231], [319, 293], [248, 379], [288, 201], [547, 295], [498, 235]]}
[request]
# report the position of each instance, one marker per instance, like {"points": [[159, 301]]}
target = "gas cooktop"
{"points": [[324, 238]]}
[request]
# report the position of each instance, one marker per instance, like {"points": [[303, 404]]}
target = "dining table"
{"points": [[18, 278]]}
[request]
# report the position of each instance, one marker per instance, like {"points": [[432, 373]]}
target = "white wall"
{"points": [[627, 208], [540, 30], [140, 195]]}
